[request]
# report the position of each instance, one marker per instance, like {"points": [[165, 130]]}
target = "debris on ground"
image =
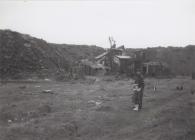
{"points": [[46, 79], [9, 121], [104, 108], [97, 103], [48, 91], [22, 87], [71, 129]]}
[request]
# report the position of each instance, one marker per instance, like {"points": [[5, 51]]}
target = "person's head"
{"points": [[139, 74]]}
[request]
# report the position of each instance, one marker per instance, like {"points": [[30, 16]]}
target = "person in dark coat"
{"points": [[135, 97], [138, 91]]}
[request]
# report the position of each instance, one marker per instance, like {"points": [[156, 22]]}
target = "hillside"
{"points": [[21, 53]]}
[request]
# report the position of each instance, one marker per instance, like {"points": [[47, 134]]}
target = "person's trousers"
{"points": [[137, 98], [140, 98]]}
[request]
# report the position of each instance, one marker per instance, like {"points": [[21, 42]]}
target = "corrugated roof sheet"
{"points": [[123, 56], [156, 63], [91, 64], [101, 55]]}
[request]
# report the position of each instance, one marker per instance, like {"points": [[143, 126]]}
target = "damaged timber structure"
{"points": [[154, 68], [115, 60]]}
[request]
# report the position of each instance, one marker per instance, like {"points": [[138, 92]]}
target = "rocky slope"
{"points": [[21, 53]]}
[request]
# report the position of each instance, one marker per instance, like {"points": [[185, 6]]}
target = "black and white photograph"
{"points": [[97, 69]]}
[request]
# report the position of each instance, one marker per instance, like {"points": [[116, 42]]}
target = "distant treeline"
{"points": [[181, 60]]}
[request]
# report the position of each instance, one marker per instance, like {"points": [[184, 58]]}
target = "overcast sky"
{"points": [[134, 23]]}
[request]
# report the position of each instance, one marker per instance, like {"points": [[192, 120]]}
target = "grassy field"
{"points": [[98, 109]]}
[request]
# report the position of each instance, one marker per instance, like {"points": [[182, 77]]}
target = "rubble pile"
{"points": [[21, 54]]}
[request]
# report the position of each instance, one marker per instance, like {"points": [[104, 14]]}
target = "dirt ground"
{"points": [[96, 109]]}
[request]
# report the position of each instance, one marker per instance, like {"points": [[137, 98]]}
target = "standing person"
{"points": [[138, 91]]}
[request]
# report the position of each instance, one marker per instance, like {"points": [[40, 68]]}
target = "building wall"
{"points": [[154, 70]]}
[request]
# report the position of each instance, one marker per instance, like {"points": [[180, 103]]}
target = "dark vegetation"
{"points": [[180, 60], [21, 55]]}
